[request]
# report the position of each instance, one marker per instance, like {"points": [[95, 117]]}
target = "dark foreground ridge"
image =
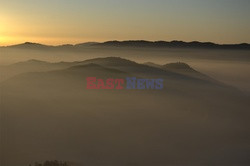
{"points": [[138, 44], [174, 44]]}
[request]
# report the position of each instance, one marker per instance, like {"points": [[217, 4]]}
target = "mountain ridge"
{"points": [[137, 44], [110, 64]]}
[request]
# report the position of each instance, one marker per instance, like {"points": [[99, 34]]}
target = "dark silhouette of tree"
{"points": [[51, 163]]}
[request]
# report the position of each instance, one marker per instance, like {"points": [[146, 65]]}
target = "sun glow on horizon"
{"points": [[53, 23]]}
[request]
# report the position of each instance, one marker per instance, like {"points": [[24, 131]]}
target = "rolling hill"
{"points": [[137, 43]]}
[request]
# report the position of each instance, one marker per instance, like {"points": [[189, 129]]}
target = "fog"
{"points": [[229, 66], [47, 113]]}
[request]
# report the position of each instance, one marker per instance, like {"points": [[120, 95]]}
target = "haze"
{"points": [[61, 21], [199, 118]]}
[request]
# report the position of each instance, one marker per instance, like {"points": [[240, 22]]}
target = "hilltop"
{"points": [[138, 44]]}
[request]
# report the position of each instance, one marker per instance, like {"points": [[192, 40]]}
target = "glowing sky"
{"points": [[75, 21]]}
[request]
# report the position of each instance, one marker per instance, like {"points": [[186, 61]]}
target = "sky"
{"points": [[58, 22]]}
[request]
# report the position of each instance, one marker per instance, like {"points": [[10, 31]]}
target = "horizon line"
{"points": [[138, 40]]}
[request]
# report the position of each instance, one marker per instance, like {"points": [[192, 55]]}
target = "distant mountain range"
{"points": [[109, 64], [137, 44]]}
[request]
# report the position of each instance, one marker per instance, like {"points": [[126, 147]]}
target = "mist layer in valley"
{"points": [[197, 119], [231, 66]]}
